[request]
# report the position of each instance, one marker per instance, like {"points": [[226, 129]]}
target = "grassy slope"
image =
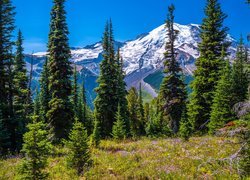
{"points": [[160, 158]]}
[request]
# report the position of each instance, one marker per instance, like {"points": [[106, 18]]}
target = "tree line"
{"points": [[59, 113]]}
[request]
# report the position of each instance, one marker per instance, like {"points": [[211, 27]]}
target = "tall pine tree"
{"points": [[222, 103], [60, 114], [107, 99], [44, 95], [21, 93], [172, 94], [213, 42], [240, 74]]}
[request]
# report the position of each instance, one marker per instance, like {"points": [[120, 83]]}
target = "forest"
{"points": [[52, 133]]}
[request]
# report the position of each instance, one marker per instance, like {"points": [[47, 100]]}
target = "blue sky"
{"points": [[86, 18]]}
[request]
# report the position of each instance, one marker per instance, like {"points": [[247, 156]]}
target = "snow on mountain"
{"points": [[142, 56]]}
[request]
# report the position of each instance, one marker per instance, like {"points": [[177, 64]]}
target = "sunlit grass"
{"points": [[200, 158]]}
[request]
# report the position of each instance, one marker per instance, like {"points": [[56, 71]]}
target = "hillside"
{"points": [[200, 158], [143, 56]]}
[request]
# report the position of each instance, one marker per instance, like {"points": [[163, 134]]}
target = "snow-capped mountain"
{"points": [[142, 56]]}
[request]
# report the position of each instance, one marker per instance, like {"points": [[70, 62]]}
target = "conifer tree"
{"points": [[213, 42], [79, 153], [141, 111], [107, 99], [6, 44], [37, 106], [44, 95], [60, 114], [75, 92], [240, 74], [133, 108], [4, 136], [21, 92], [172, 95], [36, 149], [119, 128], [222, 103], [96, 135], [121, 91], [185, 126]]}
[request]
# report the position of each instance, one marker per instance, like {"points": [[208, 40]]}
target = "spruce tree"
{"points": [[133, 109], [79, 153], [4, 136], [240, 74], [44, 95], [75, 92], [36, 149], [172, 96], [60, 114], [141, 111], [119, 128], [121, 91], [21, 93], [107, 99], [185, 126], [213, 42], [6, 44], [222, 103], [96, 135]]}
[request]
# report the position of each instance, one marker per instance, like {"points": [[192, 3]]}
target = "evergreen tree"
{"points": [[213, 36], [21, 93], [44, 95], [79, 154], [4, 136], [133, 107], [222, 103], [36, 149], [185, 126], [121, 91], [119, 128], [141, 112], [240, 74], [107, 99], [75, 92], [60, 114], [172, 95], [37, 106], [96, 135], [6, 44]]}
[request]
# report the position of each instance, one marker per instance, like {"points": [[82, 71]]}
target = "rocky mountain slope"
{"points": [[142, 57]]}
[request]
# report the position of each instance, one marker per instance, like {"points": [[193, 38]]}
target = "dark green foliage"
{"points": [[44, 95], [6, 75], [84, 113], [245, 154], [222, 103], [207, 74], [141, 112], [119, 128], [240, 74], [36, 149], [133, 108], [21, 93], [75, 92], [37, 105], [172, 94], [78, 149], [185, 126], [4, 136], [60, 114], [121, 91], [96, 135], [111, 89]]}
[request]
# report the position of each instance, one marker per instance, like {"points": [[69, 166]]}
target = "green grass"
{"points": [[147, 98], [200, 158]]}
